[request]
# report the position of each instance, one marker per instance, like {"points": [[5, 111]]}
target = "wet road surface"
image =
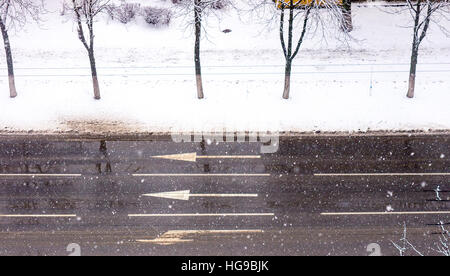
{"points": [[323, 195]]}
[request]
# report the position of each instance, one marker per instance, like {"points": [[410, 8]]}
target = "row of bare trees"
{"points": [[303, 19]]}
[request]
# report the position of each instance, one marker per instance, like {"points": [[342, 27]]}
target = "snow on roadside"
{"points": [[147, 80]]}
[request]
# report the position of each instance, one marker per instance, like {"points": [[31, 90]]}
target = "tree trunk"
{"points": [[287, 80], [9, 60], [414, 51], [198, 66], [412, 73], [347, 24], [94, 75], [289, 58]]}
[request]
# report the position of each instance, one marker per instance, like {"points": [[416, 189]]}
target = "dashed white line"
{"points": [[203, 215], [39, 175], [202, 232], [381, 174], [200, 175], [39, 216], [386, 213]]}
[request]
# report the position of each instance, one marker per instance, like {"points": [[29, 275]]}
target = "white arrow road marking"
{"points": [[176, 236], [203, 215], [200, 174], [38, 216], [192, 157], [382, 174], [386, 213], [185, 195], [39, 175]]}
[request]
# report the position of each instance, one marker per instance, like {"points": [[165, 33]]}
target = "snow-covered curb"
{"points": [[156, 136]]}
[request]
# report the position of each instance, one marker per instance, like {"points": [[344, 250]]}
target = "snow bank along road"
{"points": [[315, 195], [359, 97]]}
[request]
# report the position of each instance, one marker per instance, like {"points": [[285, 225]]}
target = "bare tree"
{"points": [[85, 12], [405, 244], [198, 16], [14, 15], [347, 25], [313, 15], [442, 247], [200, 9], [424, 13], [304, 20]]}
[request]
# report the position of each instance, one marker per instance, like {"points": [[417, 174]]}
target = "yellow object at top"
{"points": [[302, 3]]}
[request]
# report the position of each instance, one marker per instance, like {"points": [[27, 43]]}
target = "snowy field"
{"points": [[148, 85]]}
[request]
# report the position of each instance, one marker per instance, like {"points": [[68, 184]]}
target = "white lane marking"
{"points": [[39, 175], [176, 236], [39, 216], [201, 232], [199, 175], [382, 174], [223, 195], [186, 195], [386, 213], [203, 215], [192, 157]]}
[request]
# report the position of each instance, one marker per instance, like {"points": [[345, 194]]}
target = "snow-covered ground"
{"points": [[148, 85]]}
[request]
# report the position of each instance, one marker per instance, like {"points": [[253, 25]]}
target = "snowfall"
{"points": [[148, 85]]}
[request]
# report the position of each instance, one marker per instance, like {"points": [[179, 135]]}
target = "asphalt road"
{"points": [[320, 195]]}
